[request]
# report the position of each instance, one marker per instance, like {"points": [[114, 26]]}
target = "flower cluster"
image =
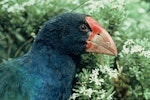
{"points": [[93, 6], [96, 5], [88, 92], [75, 2], [91, 88], [134, 58], [16, 7], [131, 47], [94, 77], [112, 73], [146, 53]]}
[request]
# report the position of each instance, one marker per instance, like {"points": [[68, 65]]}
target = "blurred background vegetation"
{"points": [[102, 77]]}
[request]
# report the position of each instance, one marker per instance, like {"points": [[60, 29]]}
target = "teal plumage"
{"points": [[47, 70]]}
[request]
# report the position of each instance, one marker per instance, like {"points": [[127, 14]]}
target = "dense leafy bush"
{"points": [[21, 18], [101, 77]]}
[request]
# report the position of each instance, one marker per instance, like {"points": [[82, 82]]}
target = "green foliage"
{"points": [[21, 18], [134, 58], [95, 84], [102, 77]]}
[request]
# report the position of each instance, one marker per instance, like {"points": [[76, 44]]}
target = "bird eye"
{"points": [[83, 27]]}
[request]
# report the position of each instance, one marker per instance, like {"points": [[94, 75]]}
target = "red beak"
{"points": [[99, 41]]}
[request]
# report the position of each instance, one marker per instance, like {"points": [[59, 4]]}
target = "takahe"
{"points": [[47, 70]]}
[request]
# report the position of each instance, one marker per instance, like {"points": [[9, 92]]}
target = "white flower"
{"points": [[95, 5], [4, 2], [94, 74], [112, 73], [94, 77], [102, 94], [21, 6], [5, 6], [87, 92], [125, 49], [141, 10], [102, 69], [29, 3], [129, 42], [75, 2], [74, 96], [99, 81], [15, 7], [82, 90], [119, 4], [130, 47], [136, 49], [146, 54]]}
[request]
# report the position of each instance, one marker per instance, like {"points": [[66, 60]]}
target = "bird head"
{"points": [[75, 33]]}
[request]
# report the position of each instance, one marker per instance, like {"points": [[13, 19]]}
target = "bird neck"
{"points": [[40, 51], [53, 67], [44, 52]]}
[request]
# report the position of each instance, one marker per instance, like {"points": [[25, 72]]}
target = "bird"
{"points": [[47, 70]]}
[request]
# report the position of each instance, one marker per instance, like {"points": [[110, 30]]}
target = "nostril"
{"points": [[88, 40], [98, 34]]}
